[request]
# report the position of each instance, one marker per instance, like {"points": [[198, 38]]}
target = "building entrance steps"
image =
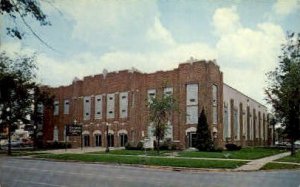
{"points": [[259, 163]]}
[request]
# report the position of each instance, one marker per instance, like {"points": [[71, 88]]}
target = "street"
{"points": [[39, 173]]}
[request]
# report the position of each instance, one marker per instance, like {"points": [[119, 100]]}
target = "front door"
{"points": [[191, 139], [98, 141], [110, 140], [123, 139], [86, 140]]}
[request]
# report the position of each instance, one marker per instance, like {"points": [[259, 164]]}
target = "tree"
{"points": [[203, 136], [283, 90], [17, 90], [160, 110], [19, 10]]}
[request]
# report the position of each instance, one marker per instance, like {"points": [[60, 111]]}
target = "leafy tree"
{"points": [[160, 110], [203, 136], [19, 10], [283, 91], [17, 90]]}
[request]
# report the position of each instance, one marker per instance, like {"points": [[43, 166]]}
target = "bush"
{"points": [[232, 147], [57, 145], [129, 146], [166, 145]]}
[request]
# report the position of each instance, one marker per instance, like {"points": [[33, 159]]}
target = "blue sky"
{"points": [[243, 36]]}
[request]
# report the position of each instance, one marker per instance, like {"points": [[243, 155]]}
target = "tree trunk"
{"points": [[293, 151], [9, 140], [157, 148]]}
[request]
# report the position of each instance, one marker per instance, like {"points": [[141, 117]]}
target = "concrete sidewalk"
{"points": [[259, 163]]}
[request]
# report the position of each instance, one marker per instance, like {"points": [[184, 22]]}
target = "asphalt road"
{"points": [[38, 173]]}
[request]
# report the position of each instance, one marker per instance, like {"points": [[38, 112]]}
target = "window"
{"points": [[66, 107], [56, 108], [110, 106], [215, 104], [87, 108], [236, 125], [123, 100], [192, 103], [226, 131], [151, 94], [168, 91], [98, 107]]}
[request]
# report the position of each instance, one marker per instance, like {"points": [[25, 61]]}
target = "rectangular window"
{"points": [[192, 114], [192, 94], [168, 91], [215, 104], [245, 127], [110, 106], [192, 103], [123, 104], [226, 131], [66, 107], [98, 107], [86, 108], [56, 108], [151, 94], [236, 125]]}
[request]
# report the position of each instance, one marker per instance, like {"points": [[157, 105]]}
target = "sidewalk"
{"points": [[259, 163]]}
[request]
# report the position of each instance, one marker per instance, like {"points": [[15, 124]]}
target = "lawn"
{"points": [[272, 165], [295, 158], [133, 152], [139, 160], [249, 153]]}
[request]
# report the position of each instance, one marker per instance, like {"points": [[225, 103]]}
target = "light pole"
{"points": [[107, 138], [9, 129]]}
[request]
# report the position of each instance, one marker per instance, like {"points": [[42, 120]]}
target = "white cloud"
{"points": [[285, 7], [226, 20], [101, 23], [158, 33], [246, 54]]}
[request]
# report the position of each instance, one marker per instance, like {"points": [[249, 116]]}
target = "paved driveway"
{"points": [[24, 172]]}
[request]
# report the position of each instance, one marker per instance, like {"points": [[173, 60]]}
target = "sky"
{"points": [[243, 36]]}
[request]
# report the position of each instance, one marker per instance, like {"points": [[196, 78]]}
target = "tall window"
{"points": [[226, 122], [110, 106], [192, 103], [55, 134], [215, 104], [87, 108], [98, 107], [66, 106], [123, 100], [236, 124], [56, 108]]}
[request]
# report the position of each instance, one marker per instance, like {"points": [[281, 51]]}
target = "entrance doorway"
{"points": [[98, 141], [123, 139], [86, 140], [191, 138]]}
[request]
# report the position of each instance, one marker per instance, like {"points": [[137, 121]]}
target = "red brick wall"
{"points": [[204, 73]]}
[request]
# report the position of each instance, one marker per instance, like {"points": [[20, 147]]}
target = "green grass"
{"points": [[271, 166], [245, 153], [156, 161], [132, 152], [295, 158]]}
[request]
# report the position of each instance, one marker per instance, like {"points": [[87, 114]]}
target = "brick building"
{"points": [[119, 99]]}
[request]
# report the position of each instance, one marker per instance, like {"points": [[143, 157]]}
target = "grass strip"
{"points": [[133, 152], [271, 166], [245, 153], [295, 159], [174, 162]]}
